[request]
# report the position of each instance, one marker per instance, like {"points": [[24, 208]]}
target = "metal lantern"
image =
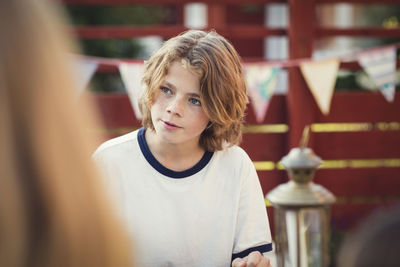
{"points": [[302, 213]]}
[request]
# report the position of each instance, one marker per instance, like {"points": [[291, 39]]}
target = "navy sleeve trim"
{"points": [[244, 253]]}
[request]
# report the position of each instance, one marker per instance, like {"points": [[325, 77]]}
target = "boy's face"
{"points": [[177, 114]]}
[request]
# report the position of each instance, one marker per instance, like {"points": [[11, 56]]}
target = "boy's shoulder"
{"points": [[235, 153], [117, 142]]}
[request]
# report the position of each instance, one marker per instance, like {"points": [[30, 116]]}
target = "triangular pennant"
{"points": [[380, 65], [261, 81], [83, 70], [321, 78], [132, 74]]}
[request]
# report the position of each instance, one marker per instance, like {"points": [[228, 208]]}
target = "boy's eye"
{"points": [[165, 90], [195, 101]]}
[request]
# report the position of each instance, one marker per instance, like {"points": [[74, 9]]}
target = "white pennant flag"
{"points": [[380, 65], [132, 74], [320, 77], [83, 70], [261, 81]]}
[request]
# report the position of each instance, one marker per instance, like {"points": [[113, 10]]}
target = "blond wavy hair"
{"points": [[54, 210], [222, 84]]}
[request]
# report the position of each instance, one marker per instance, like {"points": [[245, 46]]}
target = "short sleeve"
{"points": [[252, 228]]}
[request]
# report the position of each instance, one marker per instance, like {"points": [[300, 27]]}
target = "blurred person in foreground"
{"points": [[376, 242], [53, 211]]}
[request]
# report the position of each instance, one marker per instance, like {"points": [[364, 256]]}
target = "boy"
{"points": [[189, 195]]}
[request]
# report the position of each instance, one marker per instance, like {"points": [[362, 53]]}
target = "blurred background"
{"points": [[358, 140], [267, 46]]}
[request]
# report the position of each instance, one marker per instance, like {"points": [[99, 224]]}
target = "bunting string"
{"points": [[261, 77]]}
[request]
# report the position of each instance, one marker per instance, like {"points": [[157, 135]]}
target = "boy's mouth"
{"points": [[171, 124]]}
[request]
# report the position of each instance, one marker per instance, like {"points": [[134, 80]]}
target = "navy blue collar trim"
{"points": [[165, 171], [261, 249]]}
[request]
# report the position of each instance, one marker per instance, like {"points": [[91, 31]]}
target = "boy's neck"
{"points": [[176, 157]]}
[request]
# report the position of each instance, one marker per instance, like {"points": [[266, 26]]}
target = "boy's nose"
{"points": [[176, 107]]}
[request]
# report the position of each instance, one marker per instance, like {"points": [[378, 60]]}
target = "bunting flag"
{"points": [[83, 70], [380, 65], [132, 74], [320, 77], [261, 81]]}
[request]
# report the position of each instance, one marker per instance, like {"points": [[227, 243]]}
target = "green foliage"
{"points": [[107, 83], [369, 15], [252, 8], [111, 48], [118, 15], [378, 15], [346, 80]]}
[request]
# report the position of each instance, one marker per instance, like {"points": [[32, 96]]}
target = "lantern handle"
{"points": [[305, 137]]}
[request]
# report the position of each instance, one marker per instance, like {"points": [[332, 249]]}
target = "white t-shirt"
{"points": [[204, 216]]}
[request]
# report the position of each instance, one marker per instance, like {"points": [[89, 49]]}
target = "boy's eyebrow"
{"points": [[194, 95], [170, 85]]}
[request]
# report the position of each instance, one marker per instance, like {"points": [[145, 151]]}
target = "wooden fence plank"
{"points": [[358, 32], [163, 2], [361, 182], [357, 145], [361, 106], [270, 179], [126, 32], [265, 147], [358, 1], [115, 110]]}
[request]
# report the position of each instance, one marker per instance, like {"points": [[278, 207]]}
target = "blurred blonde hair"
{"points": [[53, 208], [222, 85]]}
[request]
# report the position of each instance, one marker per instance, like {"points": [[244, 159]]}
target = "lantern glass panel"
{"points": [[302, 236]]}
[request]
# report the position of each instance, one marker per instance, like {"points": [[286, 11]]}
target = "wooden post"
{"points": [[216, 17], [300, 103]]}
